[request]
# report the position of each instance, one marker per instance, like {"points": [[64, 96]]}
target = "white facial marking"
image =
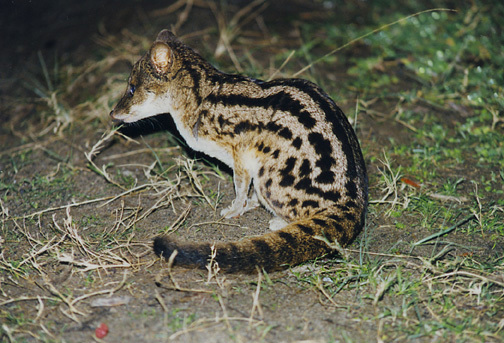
{"points": [[151, 106]]}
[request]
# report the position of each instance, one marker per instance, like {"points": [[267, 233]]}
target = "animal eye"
{"points": [[131, 90]]}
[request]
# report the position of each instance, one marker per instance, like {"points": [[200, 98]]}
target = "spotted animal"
{"points": [[291, 149]]}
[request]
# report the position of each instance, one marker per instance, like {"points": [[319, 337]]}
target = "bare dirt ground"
{"points": [[80, 209]]}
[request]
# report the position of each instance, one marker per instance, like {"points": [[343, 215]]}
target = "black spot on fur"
{"points": [[234, 249], [310, 203], [222, 121], [277, 204], [342, 207], [293, 202], [324, 149], [338, 227], [285, 133], [304, 183], [333, 196], [272, 126], [325, 162], [287, 178], [305, 168], [351, 204], [351, 189], [325, 177], [289, 165], [321, 145], [243, 126], [297, 142], [287, 181], [306, 119]]}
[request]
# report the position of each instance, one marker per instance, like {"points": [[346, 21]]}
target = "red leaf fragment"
{"points": [[410, 182], [101, 331]]}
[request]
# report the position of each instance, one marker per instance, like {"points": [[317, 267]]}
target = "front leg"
{"points": [[242, 181]]}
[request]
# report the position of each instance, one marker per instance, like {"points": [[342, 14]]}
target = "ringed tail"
{"points": [[299, 241]]}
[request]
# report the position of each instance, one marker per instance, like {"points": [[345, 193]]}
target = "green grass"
{"points": [[417, 298]]}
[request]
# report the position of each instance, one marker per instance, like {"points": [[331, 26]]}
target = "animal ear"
{"points": [[161, 57], [165, 36]]}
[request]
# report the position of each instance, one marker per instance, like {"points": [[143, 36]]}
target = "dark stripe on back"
{"points": [[281, 101], [306, 229], [195, 75]]}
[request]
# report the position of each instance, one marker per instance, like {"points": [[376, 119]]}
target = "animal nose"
{"points": [[114, 119]]}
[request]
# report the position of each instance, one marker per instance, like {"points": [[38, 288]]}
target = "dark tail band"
{"points": [[295, 243]]}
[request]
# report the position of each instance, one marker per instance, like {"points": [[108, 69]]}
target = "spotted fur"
{"points": [[286, 138]]}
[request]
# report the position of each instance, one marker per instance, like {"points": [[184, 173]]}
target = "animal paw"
{"points": [[235, 210], [238, 208], [277, 223], [251, 203]]}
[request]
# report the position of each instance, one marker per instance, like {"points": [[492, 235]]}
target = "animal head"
{"points": [[154, 80]]}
